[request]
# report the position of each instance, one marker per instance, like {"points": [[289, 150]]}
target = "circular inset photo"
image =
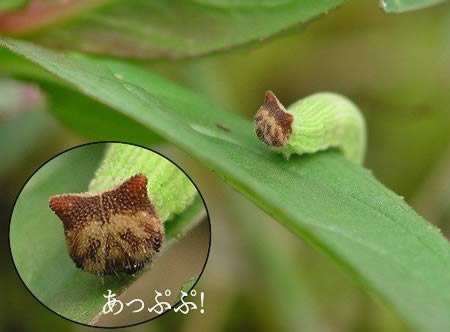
{"points": [[110, 234]]}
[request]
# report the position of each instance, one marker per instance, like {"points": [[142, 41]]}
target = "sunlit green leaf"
{"points": [[161, 28]]}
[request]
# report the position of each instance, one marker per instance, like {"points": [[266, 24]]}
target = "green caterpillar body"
{"points": [[122, 161], [315, 123]]}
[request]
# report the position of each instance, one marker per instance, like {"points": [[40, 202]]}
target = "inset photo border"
{"points": [[111, 234]]}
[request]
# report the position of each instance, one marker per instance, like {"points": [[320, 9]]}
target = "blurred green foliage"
{"points": [[11, 5]]}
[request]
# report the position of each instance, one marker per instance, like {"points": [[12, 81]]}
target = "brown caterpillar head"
{"points": [[113, 231], [273, 124]]}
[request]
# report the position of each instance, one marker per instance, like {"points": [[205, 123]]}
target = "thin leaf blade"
{"points": [[160, 29]]}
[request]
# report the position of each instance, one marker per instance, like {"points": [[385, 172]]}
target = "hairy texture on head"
{"points": [[273, 124], [113, 231]]}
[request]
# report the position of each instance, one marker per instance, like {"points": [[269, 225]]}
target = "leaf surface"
{"points": [[160, 28]]}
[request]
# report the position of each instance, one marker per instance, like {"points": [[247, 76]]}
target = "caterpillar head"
{"points": [[112, 231], [273, 124]]}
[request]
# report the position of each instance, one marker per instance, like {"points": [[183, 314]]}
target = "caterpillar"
{"points": [[315, 123], [117, 226]]}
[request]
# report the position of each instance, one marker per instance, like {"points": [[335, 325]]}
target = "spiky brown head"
{"points": [[112, 231], [273, 124]]}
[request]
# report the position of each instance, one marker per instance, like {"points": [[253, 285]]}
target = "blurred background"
{"points": [[260, 277]]}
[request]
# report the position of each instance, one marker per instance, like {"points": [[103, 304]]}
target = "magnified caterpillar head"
{"points": [[273, 123], [113, 231]]}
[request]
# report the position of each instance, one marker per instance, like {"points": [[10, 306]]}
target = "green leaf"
{"points": [[77, 113], [10, 5], [164, 28], [92, 119], [37, 241], [399, 6], [338, 206]]}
